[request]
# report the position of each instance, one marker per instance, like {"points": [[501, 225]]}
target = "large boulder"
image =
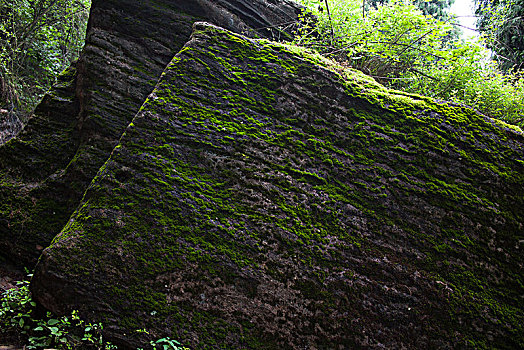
{"points": [[265, 198], [46, 169]]}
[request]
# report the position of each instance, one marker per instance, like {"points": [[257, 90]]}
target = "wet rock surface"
{"points": [[261, 200], [46, 169]]}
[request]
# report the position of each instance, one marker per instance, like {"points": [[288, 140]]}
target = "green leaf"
{"points": [[52, 322], [39, 328], [21, 322]]}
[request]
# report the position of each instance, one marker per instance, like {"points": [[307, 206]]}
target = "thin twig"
{"points": [[330, 22], [387, 42], [423, 74]]}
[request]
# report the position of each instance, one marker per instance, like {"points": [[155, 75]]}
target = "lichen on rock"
{"points": [[260, 199]]}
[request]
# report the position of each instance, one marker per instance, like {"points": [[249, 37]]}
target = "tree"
{"points": [[502, 23], [436, 8], [38, 39]]}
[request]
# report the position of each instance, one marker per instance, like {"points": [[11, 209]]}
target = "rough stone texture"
{"points": [[46, 169], [259, 200], [10, 125]]}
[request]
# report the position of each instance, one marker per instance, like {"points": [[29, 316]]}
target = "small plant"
{"points": [[167, 344], [19, 323], [16, 308]]}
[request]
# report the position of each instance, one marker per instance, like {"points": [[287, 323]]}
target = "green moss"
{"points": [[223, 175]]}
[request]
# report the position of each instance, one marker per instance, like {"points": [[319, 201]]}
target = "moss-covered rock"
{"points": [[46, 169], [264, 198]]}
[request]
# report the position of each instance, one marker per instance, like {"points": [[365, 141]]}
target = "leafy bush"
{"points": [[404, 49], [19, 323]]}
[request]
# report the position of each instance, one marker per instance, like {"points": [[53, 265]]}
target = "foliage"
{"points": [[436, 8], [470, 79], [38, 39], [167, 344], [502, 24], [404, 49], [18, 319]]}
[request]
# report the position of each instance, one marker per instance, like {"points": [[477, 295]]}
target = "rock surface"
{"points": [[259, 200], [46, 169], [10, 125]]}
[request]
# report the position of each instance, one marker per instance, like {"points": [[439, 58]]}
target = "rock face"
{"points": [[263, 198], [46, 169], [10, 125]]}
